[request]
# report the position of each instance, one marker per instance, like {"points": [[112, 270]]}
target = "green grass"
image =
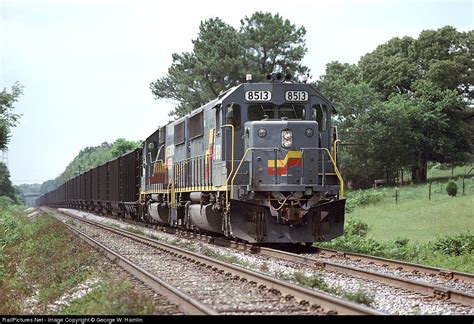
{"points": [[418, 220], [441, 172], [111, 297], [360, 296], [41, 257], [414, 216], [437, 231]]}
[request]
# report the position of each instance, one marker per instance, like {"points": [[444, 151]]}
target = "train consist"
{"points": [[258, 163]]}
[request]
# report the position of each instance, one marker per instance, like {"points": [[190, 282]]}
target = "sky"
{"points": [[86, 65]]}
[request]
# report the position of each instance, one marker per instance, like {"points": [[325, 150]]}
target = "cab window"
{"points": [[291, 112], [258, 112], [319, 115], [233, 115]]}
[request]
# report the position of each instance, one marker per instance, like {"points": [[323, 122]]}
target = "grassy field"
{"points": [[416, 217], [404, 223]]}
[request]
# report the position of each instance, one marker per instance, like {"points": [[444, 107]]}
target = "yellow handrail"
{"points": [[339, 176], [232, 168], [336, 170], [235, 174]]}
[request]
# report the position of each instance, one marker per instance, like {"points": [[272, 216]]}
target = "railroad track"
{"points": [[185, 302], [262, 294], [407, 276], [400, 265], [329, 262]]}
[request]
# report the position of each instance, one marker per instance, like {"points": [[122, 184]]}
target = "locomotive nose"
{"points": [[281, 153]]}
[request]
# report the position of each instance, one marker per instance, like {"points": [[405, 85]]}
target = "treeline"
{"points": [[8, 120], [407, 103], [88, 158]]}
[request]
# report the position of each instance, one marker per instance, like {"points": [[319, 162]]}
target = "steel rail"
{"points": [[413, 285], [185, 302], [424, 288], [304, 295], [415, 268]]}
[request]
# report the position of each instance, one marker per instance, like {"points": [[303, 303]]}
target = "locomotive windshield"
{"points": [[289, 111]]}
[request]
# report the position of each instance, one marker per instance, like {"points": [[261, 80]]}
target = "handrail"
{"points": [[235, 174], [336, 170], [240, 164], [339, 176], [334, 150], [232, 168]]}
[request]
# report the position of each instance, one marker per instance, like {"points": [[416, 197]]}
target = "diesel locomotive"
{"points": [[258, 163]]}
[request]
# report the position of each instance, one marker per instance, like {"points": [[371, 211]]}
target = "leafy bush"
{"points": [[355, 239], [452, 188], [361, 296], [311, 281], [6, 201], [356, 227], [364, 198], [10, 227], [455, 244], [401, 249]]}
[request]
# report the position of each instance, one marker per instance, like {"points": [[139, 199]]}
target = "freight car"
{"points": [[257, 163]]}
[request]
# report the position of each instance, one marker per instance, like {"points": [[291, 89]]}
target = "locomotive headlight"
{"points": [[309, 132], [286, 138], [262, 132]]}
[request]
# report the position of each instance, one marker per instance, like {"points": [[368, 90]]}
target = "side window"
{"points": [[196, 126], [233, 115], [179, 133], [162, 135], [152, 150], [319, 115]]}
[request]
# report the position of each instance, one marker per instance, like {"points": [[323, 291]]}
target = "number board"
{"points": [[259, 95], [296, 96]]}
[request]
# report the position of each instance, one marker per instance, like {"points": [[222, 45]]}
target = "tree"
{"points": [[195, 78], [272, 44], [410, 98], [222, 56], [88, 158], [353, 100], [122, 146], [391, 67], [6, 187], [7, 118], [352, 97], [442, 131], [443, 56]]}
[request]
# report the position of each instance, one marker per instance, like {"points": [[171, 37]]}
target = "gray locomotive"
{"points": [[258, 163]]}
